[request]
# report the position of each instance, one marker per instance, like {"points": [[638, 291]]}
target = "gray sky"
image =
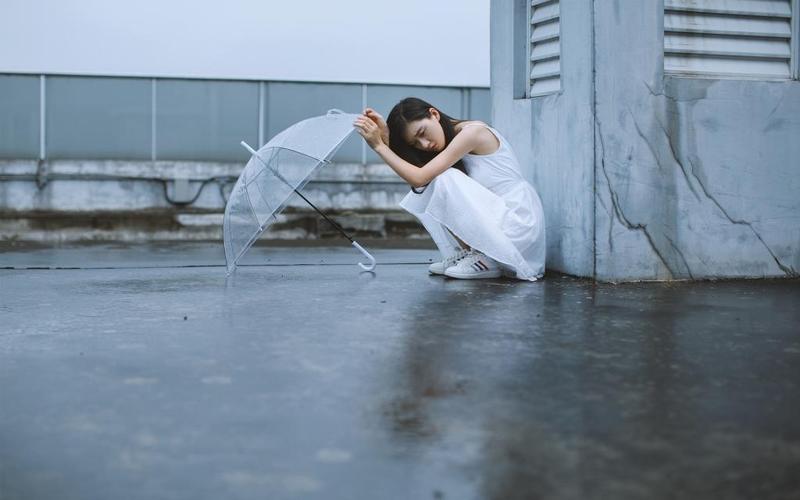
{"points": [[435, 42]]}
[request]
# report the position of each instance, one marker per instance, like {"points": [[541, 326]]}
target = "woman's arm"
{"points": [[463, 143]]}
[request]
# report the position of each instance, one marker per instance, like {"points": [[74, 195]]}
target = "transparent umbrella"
{"points": [[279, 168]]}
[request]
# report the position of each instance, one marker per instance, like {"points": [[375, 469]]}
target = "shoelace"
{"points": [[456, 257], [473, 260]]}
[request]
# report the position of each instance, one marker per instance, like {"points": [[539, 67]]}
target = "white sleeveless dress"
{"points": [[493, 210]]}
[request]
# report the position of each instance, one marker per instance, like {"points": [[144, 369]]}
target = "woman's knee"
{"points": [[451, 173], [450, 176], [448, 181]]}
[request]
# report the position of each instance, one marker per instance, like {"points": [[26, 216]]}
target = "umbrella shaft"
{"points": [[332, 223], [279, 176]]}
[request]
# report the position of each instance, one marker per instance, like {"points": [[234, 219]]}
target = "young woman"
{"points": [[467, 190]]}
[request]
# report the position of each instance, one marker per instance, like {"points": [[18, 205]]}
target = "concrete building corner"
{"points": [[647, 174]]}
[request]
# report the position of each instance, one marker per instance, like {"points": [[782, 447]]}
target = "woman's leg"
{"points": [[457, 204], [463, 245], [444, 239]]}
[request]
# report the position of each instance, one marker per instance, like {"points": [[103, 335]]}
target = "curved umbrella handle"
{"points": [[371, 265]]}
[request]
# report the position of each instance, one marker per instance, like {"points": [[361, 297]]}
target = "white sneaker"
{"points": [[474, 266], [440, 267]]}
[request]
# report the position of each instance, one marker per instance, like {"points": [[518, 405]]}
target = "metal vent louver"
{"points": [[749, 38], [545, 47]]}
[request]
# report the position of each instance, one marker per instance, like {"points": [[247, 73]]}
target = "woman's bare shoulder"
{"points": [[486, 142], [472, 122]]}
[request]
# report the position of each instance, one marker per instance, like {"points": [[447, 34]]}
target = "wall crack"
{"points": [[669, 97], [788, 270], [616, 205], [680, 254], [674, 154]]}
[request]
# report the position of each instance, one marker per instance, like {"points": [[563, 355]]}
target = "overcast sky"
{"points": [[434, 42]]}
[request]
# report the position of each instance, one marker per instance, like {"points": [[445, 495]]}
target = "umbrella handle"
{"points": [[371, 265]]}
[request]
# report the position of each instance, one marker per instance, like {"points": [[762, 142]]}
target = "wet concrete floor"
{"points": [[141, 372]]}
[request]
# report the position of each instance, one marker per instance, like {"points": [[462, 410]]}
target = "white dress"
{"points": [[493, 210]]}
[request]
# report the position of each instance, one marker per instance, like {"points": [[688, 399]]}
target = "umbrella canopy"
{"points": [[274, 172]]}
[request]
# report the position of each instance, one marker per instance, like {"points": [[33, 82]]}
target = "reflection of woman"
{"points": [[465, 392], [438, 362], [484, 217]]}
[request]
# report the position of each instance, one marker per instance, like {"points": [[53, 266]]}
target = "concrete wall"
{"points": [[551, 135], [90, 200], [696, 178], [687, 178]]}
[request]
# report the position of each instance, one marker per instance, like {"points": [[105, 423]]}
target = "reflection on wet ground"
{"points": [[318, 381]]}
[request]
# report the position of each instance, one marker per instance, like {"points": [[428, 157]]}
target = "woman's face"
{"points": [[426, 134]]}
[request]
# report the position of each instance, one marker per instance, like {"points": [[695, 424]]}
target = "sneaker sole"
{"points": [[473, 276]]}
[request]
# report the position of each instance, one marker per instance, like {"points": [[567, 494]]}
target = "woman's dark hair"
{"points": [[407, 111]]}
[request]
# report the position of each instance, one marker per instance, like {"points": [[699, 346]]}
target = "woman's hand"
{"points": [[380, 122], [369, 131]]}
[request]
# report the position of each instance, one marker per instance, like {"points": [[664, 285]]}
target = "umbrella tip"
{"points": [[247, 147]]}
